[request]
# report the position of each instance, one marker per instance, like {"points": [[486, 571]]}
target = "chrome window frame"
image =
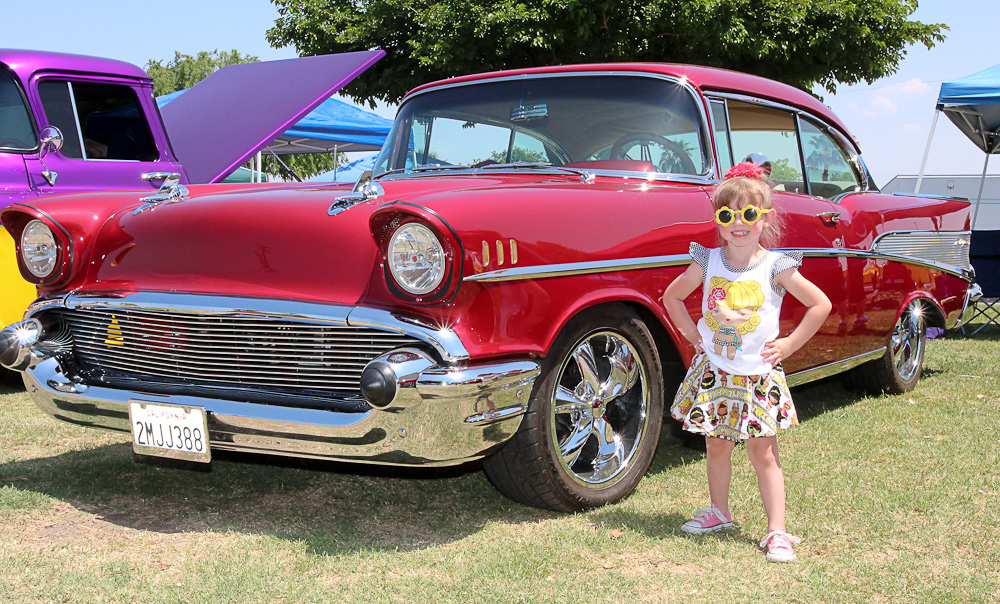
{"points": [[824, 125], [711, 169]]}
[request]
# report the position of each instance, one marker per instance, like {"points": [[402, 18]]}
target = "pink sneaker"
{"points": [[707, 520], [779, 546]]}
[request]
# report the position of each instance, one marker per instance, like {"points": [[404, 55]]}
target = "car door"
{"points": [[17, 140], [109, 140], [770, 135]]}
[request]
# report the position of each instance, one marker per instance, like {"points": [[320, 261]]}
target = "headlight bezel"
{"points": [[34, 227], [393, 216], [16, 218]]}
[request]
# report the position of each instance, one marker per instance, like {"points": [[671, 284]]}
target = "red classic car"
{"points": [[492, 292]]}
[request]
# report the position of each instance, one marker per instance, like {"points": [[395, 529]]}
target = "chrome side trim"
{"points": [[545, 271], [442, 339], [443, 427], [580, 268], [803, 377], [957, 271]]}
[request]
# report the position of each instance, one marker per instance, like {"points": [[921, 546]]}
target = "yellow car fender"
{"points": [[17, 293]]}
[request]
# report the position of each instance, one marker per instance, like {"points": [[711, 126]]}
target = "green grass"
{"points": [[897, 499]]}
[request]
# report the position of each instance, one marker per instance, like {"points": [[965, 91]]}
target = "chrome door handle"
{"points": [[829, 218], [159, 175]]}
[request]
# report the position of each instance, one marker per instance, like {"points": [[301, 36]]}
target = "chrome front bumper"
{"points": [[434, 414]]}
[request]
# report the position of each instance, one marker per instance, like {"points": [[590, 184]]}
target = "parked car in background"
{"points": [[492, 293]]}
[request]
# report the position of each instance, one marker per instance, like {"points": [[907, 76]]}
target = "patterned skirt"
{"points": [[735, 407]]}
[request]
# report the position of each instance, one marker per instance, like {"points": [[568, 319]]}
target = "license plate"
{"points": [[173, 431]]}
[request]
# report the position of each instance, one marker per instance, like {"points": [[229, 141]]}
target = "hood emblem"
{"points": [[171, 191], [365, 189]]}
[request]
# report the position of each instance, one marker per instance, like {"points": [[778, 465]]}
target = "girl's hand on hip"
{"points": [[776, 351]]}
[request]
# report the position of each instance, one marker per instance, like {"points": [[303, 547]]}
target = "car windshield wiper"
{"points": [[431, 167], [583, 174]]}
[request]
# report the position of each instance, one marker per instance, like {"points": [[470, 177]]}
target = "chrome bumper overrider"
{"points": [[432, 414], [968, 308]]}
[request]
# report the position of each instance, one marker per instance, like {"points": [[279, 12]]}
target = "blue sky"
{"points": [[890, 118]]}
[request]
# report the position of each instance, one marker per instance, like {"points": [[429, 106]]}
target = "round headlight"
{"points": [[416, 258], [39, 249]]}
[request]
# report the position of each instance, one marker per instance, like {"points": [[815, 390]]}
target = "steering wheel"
{"points": [[644, 139]]}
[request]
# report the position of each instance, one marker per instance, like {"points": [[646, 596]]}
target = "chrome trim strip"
{"points": [[708, 178], [957, 271], [444, 340], [436, 433], [545, 271], [803, 377], [580, 268]]}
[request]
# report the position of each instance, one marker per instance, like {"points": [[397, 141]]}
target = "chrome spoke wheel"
{"points": [[600, 409], [907, 342]]}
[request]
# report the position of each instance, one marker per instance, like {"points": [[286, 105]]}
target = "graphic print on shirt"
{"points": [[732, 307]]}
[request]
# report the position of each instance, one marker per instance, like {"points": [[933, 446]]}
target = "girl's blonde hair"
{"points": [[737, 191]]}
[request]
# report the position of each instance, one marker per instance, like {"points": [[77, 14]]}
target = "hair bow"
{"points": [[748, 169]]}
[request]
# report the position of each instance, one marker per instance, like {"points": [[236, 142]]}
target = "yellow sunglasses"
{"points": [[725, 215]]}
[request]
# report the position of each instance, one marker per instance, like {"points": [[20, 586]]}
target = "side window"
{"points": [[828, 165], [721, 122], [16, 132], [771, 133], [98, 121]]}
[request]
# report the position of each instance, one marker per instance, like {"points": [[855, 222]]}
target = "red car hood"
{"points": [[281, 242]]}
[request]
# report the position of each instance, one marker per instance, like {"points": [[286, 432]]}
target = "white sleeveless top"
{"points": [[740, 308]]}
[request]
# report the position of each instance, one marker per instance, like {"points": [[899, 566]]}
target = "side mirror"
{"points": [[51, 140]]}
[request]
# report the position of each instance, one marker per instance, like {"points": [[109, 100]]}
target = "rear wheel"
{"points": [[899, 369], [594, 419]]}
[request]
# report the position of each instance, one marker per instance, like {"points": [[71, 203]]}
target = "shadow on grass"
{"points": [[332, 508]]}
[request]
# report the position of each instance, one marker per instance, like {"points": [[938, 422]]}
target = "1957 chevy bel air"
{"points": [[490, 293]]}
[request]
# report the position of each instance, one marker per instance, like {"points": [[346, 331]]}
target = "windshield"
{"points": [[600, 122]]}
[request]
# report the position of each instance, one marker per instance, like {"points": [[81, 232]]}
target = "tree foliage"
{"points": [[184, 71], [800, 42]]}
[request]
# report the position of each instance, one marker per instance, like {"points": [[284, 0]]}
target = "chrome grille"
{"points": [[944, 247], [226, 350]]}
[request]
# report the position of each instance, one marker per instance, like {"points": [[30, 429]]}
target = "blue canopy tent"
{"points": [[349, 172], [973, 105]]}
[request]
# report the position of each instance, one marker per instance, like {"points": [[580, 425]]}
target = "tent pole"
{"points": [[335, 163], [927, 151], [979, 198]]}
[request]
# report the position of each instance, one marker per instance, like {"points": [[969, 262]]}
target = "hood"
{"points": [[221, 122], [275, 242], [281, 242]]}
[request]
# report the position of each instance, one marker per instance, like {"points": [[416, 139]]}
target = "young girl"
{"points": [[735, 390]]}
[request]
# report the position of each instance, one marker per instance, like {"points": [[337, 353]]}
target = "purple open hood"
{"points": [[222, 121]]}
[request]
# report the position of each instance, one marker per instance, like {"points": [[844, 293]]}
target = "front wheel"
{"points": [[594, 419], [899, 369]]}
